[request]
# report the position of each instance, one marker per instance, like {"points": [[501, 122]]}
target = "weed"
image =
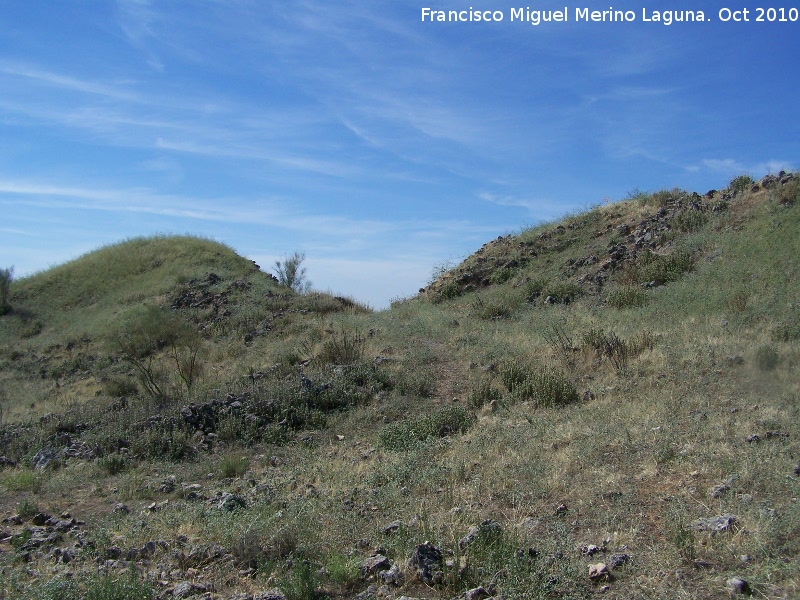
{"points": [[740, 184], [546, 388], [490, 311], [767, 358], [482, 393], [300, 583], [408, 434], [113, 463], [27, 508], [233, 466], [559, 342], [688, 221], [627, 296], [343, 348]]}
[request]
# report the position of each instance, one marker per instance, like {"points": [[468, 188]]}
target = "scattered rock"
{"points": [[488, 529], [394, 576], [617, 560], [427, 560], [269, 595], [231, 502], [392, 527], [373, 564], [598, 571], [478, 593], [737, 585], [120, 508], [45, 457], [714, 524]]}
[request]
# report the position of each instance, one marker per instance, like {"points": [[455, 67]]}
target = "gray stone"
{"points": [[617, 560], [392, 527], [394, 576], [714, 524], [45, 457], [487, 529], [737, 585], [598, 571], [269, 595], [232, 502], [427, 560], [373, 564]]}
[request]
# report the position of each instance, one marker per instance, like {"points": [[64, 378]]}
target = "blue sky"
{"points": [[378, 144]]}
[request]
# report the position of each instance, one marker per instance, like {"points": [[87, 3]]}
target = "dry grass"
{"points": [[710, 361]]}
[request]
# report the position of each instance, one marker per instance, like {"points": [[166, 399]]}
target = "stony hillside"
{"points": [[607, 404]]}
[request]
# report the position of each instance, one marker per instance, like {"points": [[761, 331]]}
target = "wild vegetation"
{"points": [[603, 404]]}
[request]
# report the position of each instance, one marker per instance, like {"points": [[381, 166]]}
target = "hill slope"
{"points": [[606, 403]]}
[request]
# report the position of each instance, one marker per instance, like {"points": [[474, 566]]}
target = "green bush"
{"points": [[113, 463], [627, 296], [740, 184], [482, 393], [546, 388], [788, 331], [27, 508], [445, 421], [663, 269], [502, 275], [447, 291], [513, 373], [6, 277], [688, 221], [233, 466], [767, 358], [343, 348], [292, 274], [490, 311]]}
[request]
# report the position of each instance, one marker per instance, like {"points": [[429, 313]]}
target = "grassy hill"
{"points": [[604, 404]]}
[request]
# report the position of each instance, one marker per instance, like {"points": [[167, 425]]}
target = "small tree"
{"points": [[6, 277], [291, 274], [145, 334]]}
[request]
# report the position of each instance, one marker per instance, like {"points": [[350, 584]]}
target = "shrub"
{"points": [[740, 184], [787, 332], [27, 508], [113, 463], [447, 291], [627, 296], [6, 277], [292, 274], [482, 393], [546, 388], [502, 275], [234, 466], [146, 332], [688, 221], [490, 311], [343, 348], [513, 373], [663, 269], [767, 358], [440, 423]]}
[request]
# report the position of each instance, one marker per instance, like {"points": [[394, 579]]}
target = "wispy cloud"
{"points": [[137, 20], [731, 166]]}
